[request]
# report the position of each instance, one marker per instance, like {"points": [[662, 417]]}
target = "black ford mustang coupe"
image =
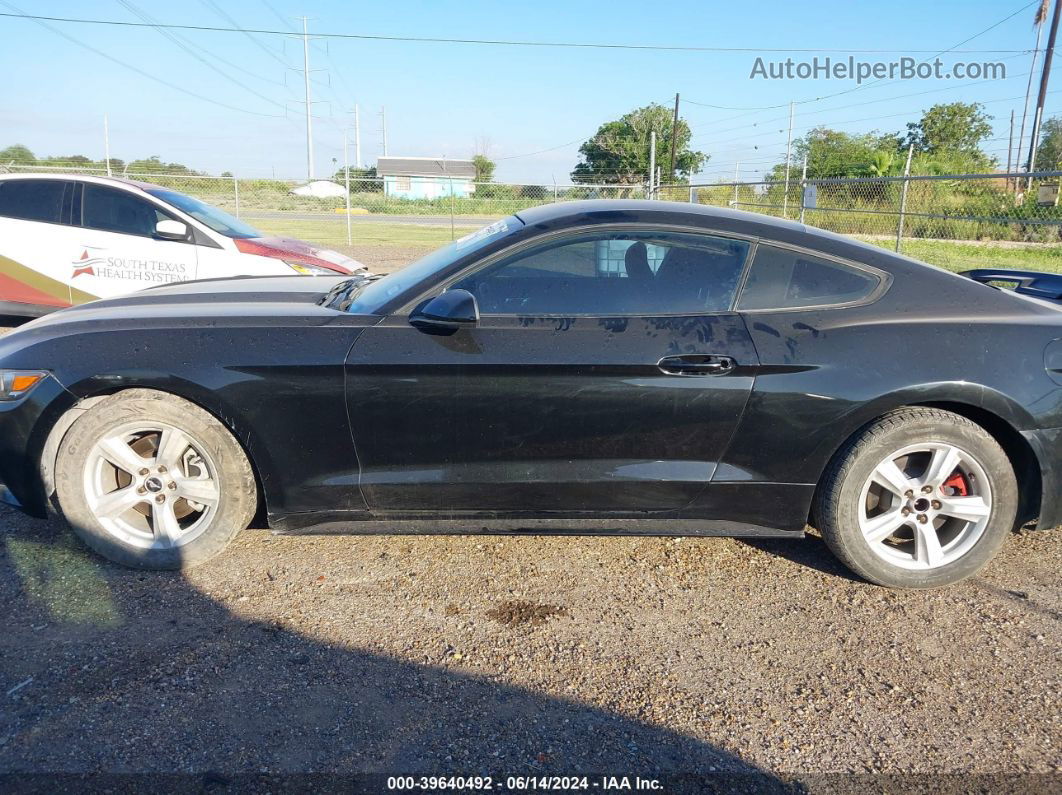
{"points": [[612, 367]]}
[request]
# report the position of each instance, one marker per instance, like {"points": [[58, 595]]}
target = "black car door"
{"points": [[606, 373]]}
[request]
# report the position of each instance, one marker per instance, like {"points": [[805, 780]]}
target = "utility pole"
{"points": [[309, 105], [788, 154], [903, 196], [674, 140], [803, 185], [1028, 95], [107, 144], [1010, 147], [346, 183], [652, 163], [1045, 76], [357, 139], [383, 128]]}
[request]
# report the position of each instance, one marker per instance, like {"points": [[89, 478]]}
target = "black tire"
{"points": [[837, 504], [236, 488]]}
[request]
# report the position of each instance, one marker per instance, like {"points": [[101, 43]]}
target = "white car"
{"points": [[67, 239]]}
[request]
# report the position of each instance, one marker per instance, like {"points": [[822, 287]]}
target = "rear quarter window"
{"points": [[785, 279], [32, 199]]}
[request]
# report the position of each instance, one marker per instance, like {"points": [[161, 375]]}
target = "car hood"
{"points": [[240, 300]]}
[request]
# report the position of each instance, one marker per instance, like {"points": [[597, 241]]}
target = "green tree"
{"points": [[619, 151], [832, 153], [1049, 152], [362, 180], [17, 154], [882, 164], [70, 160], [954, 127], [484, 168], [154, 165]]}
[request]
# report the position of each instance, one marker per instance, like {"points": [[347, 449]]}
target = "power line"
{"points": [[867, 118], [953, 48], [283, 20], [176, 39], [751, 111], [543, 151], [221, 12], [867, 102], [189, 43], [501, 42], [131, 67], [854, 121]]}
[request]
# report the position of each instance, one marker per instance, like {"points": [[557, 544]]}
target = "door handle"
{"points": [[696, 364]]}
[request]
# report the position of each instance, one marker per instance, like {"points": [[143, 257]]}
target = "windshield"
{"points": [[218, 220], [374, 295]]}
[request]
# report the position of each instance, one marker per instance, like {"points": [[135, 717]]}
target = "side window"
{"points": [[614, 273], [784, 279], [114, 210], [32, 199]]}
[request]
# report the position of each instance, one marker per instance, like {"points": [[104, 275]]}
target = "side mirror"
{"points": [[446, 313], [171, 230]]}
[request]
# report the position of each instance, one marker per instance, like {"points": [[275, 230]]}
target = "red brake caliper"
{"points": [[955, 486]]}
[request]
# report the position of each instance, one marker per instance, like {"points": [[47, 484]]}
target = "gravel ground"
{"points": [[525, 655], [384, 259], [465, 654]]}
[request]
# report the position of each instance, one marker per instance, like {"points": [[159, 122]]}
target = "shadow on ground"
{"points": [[113, 670], [811, 552]]}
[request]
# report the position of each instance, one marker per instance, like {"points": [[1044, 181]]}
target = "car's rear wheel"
{"points": [[920, 498], [152, 481]]}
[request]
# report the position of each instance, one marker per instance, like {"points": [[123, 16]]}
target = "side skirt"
{"points": [[304, 525]]}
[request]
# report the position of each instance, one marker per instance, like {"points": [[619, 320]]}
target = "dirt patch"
{"points": [[515, 614], [384, 258]]}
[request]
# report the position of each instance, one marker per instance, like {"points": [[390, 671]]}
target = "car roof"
{"points": [[104, 180], [721, 219], [642, 210]]}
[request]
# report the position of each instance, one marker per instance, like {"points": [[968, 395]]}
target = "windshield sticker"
{"points": [[481, 234]]}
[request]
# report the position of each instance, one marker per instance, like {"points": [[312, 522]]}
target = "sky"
{"points": [[528, 108]]}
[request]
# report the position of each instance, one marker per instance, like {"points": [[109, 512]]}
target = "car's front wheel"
{"points": [[152, 481], [920, 498]]}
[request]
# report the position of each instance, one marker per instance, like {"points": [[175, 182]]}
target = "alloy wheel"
{"points": [[151, 486], [925, 506]]}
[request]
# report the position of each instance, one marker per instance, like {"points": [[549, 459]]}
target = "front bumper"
{"points": [[24, 426], [1047, 445]]}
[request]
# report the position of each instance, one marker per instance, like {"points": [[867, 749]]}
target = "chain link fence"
{"points": [[276, 206], [956, 207]]}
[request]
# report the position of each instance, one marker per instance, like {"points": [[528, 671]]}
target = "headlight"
{"points": [[16, 383], [307, 269]]}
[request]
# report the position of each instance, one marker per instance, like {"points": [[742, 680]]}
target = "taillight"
{"points": [[307, 262]]}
